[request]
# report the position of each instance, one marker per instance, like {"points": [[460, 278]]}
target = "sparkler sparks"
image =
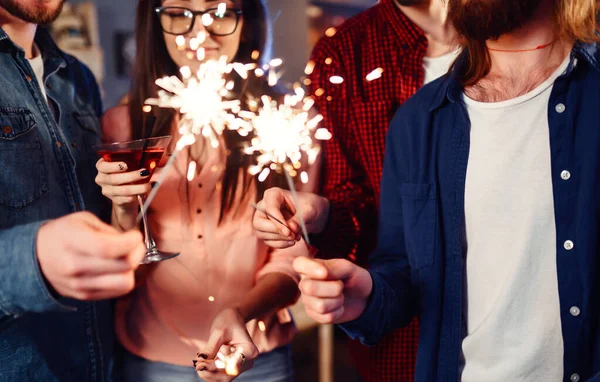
{"points": [[310, 67], [336, 80], [229, 363], [261, 326], [375, 74], [200, 100], [283, 133]]}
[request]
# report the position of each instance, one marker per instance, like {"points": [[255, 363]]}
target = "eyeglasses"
{"points": [[217, 21]]}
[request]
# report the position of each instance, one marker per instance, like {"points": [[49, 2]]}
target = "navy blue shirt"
{"points": [[47, 170], [418, 267]]}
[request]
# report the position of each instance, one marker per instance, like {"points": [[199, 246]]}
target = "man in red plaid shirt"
{"points": [[384, 55]]}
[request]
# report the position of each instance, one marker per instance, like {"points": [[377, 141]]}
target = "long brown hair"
{"points": [[576, 20], [153, 61]]}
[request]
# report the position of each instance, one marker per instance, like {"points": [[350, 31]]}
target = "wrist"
{"points": [[124, 217]]}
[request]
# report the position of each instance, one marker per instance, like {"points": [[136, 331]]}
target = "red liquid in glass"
{"points": [[132, 158]]}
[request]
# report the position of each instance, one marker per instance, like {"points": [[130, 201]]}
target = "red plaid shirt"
{"points": [[357, 112]]}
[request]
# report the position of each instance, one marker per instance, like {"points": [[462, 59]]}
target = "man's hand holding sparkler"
{"points": [[333, 291], [229, 351], [277, 219]]}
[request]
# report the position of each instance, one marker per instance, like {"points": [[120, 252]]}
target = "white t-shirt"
{"points": [[512, 311], [435, 67], [37, 64]]}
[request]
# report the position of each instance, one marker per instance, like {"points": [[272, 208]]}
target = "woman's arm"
{"points": [[272, 292]]}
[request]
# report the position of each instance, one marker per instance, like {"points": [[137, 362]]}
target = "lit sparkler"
{"points": [[201, 100], [229, 363], [284, 135]]}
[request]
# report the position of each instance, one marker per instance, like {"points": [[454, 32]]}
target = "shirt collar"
{"points": [[45, 44], [450, 89], [48, 47], [407, 33]]}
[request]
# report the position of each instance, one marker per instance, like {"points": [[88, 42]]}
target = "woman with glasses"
{"points": [[226, 292]]}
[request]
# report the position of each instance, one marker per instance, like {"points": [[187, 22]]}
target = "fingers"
{"points": [[122, 178], [227, 365], [327, 318], [96, 243], [274, 240], [263, 224], [102, 286], [324, 289], [323, 306], [336, 269], [95, 266], [111, 167], [217, 338], [238, 361], [129, 190], [280, 244], [274, 202], [323, 300], [311, 268]]}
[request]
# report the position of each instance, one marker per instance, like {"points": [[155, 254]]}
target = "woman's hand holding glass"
{"points": [[122, 187]]}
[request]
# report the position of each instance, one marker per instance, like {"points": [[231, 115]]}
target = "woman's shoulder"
{"points": [[116, 126]]}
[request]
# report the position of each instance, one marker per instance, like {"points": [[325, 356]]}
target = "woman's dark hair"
{"points": [[153, 61]]}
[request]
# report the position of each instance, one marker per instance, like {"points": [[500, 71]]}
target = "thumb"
{"points": [[93, 222]]}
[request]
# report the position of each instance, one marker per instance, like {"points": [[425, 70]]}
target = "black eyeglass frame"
{"points": [[195, 14]]}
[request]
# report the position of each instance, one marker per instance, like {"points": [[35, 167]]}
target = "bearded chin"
{"points": [[481, 20], [37, 13]]}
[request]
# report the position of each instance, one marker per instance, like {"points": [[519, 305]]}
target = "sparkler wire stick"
{"points": [[298, 207], [256, 207]]}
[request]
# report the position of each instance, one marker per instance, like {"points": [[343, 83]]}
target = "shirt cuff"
{"points": [[23, 287], [367, 328]]}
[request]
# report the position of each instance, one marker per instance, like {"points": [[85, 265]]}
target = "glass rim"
{"points": [[112, 144]]}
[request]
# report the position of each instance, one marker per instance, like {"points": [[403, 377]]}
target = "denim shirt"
{"points": [[418, 267], [47, 170]]}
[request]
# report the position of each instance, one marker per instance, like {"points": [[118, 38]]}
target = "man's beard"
{"points": [[36, 12], [481, 20]]}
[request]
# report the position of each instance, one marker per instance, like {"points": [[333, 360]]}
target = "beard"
{"points": [[39, 12], [481, 20]]}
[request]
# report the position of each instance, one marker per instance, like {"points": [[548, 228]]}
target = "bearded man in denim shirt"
{"points": [[54, 258]]}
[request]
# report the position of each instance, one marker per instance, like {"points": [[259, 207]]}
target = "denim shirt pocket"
{"points": [[89, 135], [419, 210], [22, 170]]}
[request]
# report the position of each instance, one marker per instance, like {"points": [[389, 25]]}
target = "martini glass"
{"points": [[138, 154]]}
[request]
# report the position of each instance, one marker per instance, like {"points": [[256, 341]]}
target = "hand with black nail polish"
{"points": [[122, 187]]}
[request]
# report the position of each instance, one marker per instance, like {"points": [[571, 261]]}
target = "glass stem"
{"points": [[148, 240]]}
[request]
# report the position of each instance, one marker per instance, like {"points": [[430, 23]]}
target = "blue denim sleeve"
{"points": [[392, 303], [22, 284]]}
